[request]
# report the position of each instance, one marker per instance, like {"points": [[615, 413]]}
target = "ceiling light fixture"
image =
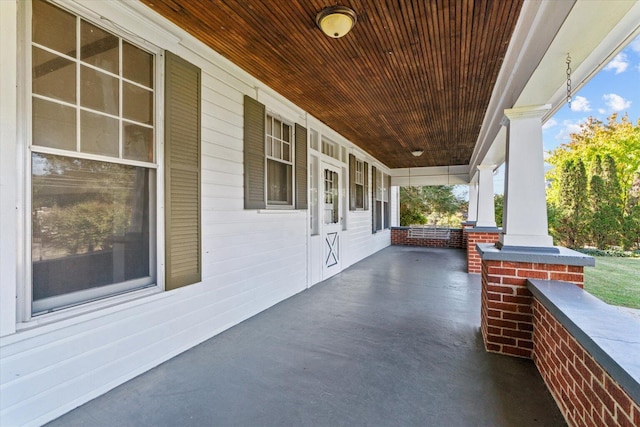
{"points": [[336, 21], [417, 153]]}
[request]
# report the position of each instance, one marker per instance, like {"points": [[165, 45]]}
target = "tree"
{"points": [[570, 227], [611, 152], [498, 201], [436, 204]]}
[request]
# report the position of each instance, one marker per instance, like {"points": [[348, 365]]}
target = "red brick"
{"points": [[594, 368], [514, 281], [497, 339], [504, 307], [567, 277], [504, 324], [526, 343], [549, 267], [516, 334], [524, 326], [533, 274], [604, 397], [517, 317], [502, 289], [492, 347], [494, 313], [516, 351], [493, 330], [525, 309], [516, 264], [619, 395], [502, 271], [494, 297], [517, 300], [523, 291]]}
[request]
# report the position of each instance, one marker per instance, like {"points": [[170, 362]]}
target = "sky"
{"points": [[615, 89]]}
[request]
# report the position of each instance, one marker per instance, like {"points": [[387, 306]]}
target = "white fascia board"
{"points": [[537, 26], [436, 175], [616, 23]]}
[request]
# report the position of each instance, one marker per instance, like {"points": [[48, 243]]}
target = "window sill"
{"points": [[280, 210], [49, 322]]}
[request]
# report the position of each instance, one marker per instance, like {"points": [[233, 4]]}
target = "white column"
{"points": [[525, 206], [472, 215], [486, 207]]}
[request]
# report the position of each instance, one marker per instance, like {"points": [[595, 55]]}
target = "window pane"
{"points": [[137, 65], [53, 76], [277, 129], [138, 142], [99, 134], [277, 149], [137, 103], [269, 146], [278, 182], [90, 224], [99, 48], [99, 91], [54, 125], [286, 132], [286, 152], [54, 28]]}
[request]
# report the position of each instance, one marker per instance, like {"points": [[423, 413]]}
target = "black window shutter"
{"points": [[254, 160], [374, 216], [301, 167], [366, 186], [183, 254], [352, 182]]}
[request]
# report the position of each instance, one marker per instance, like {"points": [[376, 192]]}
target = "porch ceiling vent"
{"points": [[336, 21]]}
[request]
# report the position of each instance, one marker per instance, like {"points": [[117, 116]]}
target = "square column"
{"points": [[472, 215], [524, 221], [486, 205]]}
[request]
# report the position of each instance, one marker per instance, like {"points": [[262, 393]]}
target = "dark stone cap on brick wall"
{"points": [[559, 255], [610, 336]]}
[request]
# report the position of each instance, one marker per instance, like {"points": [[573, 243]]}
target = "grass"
{"points": [[615, 280]]}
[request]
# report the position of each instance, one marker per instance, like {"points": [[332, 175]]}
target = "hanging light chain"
{"points": [[569, 79]]}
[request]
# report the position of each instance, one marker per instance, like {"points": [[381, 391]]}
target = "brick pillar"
{"points": [[506, 303], [474, 236]]}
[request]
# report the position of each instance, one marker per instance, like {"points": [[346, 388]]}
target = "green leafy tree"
{"points": [[611, 152], [498, 201], [436, 204], [570, 227]]}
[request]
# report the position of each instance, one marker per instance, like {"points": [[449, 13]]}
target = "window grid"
{"points": [[79, 108]]}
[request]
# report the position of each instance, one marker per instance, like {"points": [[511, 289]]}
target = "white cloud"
{"points": [[616, 102], [619, 63], [580, 103], [569, 127], [549, 124], [601, 110]]}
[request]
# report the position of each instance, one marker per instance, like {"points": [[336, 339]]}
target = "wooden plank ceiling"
{"points": [[412, 74]]}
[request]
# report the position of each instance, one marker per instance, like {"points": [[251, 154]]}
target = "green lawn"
{"points": [[615, 280]]}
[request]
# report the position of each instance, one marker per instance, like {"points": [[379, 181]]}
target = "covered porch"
{"points": [[393, 340]]}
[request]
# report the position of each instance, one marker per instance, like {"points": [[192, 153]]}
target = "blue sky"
{"points": [[616, 88]]}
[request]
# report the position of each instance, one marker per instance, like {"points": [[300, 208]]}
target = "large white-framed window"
{"points": [[279, 161], [92, 159]]}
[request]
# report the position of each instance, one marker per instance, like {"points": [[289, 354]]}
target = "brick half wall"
{"points": [[400, 236], [585, 393], [506, 312], [473, 237]]}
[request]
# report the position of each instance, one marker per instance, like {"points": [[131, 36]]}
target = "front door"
{"points": [[332, 222]]}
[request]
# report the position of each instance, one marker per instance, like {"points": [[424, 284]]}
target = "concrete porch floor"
{"points": [[392, 341]]}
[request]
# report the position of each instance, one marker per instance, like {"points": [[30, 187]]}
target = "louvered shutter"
{"points": [[352, 182], [366, 186], [254, 160], [387, 206], [182, 173], [374, 216], [301, 167]]}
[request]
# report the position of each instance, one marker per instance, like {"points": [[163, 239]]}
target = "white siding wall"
{"points": [[251, 259]]}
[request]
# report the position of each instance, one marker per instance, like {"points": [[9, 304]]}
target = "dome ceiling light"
{"points": [[336, 21]]}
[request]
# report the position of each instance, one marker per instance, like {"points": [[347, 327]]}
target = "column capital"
{"points": [[528, 112], [485, 167]]}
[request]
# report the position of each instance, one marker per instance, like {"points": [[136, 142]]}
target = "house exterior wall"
{"points": [[251, 259]]}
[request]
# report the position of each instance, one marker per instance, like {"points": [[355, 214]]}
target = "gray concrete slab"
{"points": [[392, 341]]}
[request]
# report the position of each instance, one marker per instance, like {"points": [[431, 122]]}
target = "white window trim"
{"points": [[25, 318], [271, 205]]}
